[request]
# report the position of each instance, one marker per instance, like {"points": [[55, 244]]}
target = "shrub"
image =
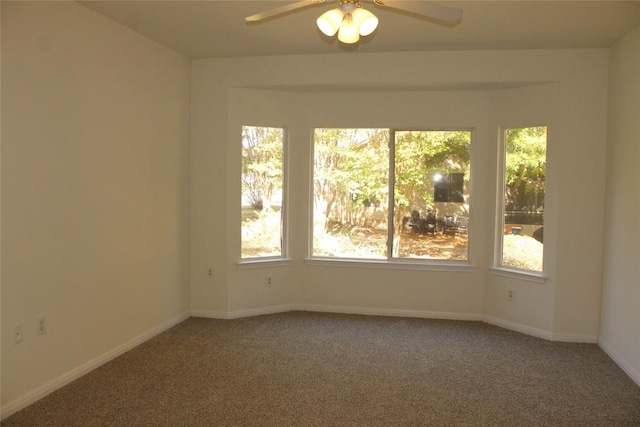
{"points": [[522, 252]]}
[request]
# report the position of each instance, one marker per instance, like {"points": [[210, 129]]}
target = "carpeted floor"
{"points": [[313, 369]]}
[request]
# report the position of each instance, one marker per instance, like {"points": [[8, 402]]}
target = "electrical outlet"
{"points": [[510, 294], [17, 334], [41, 326], [268, 281]]}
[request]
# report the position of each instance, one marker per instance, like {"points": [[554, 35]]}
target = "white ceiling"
{"points": [[216, 28]]}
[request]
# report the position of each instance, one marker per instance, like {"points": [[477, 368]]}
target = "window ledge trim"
{"points": [[518, 274], [263, 262], [387, 264]]}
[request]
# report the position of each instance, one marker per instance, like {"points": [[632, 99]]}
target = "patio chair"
{"points": [[423, 225], [431, 223], [450, 225], [463, 225]]}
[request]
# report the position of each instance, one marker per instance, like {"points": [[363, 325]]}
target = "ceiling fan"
{"points": [[350, 20]]}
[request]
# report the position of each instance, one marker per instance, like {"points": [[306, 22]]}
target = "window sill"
{"points": [[512, 273], [264, 262], [395, 264]]}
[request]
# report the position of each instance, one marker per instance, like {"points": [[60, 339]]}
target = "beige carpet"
{"points": [[312, 369]]}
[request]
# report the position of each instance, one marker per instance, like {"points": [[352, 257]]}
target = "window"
{"points": [[262, 192], [431, 194], [449, 188], [522, 214], [384, 194], [350, 194]]}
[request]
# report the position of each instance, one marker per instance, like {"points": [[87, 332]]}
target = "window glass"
{"points": [[525, 158], [262, 191], [425, 172], [350, 193], [431, 194]]}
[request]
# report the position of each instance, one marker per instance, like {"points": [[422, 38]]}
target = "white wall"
{"points": [[566, 305], [95, 163], [620, 328], [482, 90]]}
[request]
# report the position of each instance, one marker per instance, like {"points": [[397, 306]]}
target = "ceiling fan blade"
{"points": [[424, 9], [282, 9]]}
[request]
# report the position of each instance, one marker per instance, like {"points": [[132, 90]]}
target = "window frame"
{"points": [[498, 268], [284, 209], [390, 261], [447, 182]]}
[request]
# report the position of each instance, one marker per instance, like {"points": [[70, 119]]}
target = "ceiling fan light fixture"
{"points": [[329, 22], [348, 32], [365, 21], [350, 21]]}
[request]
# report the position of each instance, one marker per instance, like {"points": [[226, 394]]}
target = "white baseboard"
{"points": [[209, 314], [620, 361], [528, 330], [237, 314], [64, 379], [585, 339], [539, 333], [368, 311]]}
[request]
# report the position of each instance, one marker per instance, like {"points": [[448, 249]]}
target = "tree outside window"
{"points": [[262, 192], [432, 175], [524, 170], [353, 172], [350, 192]]}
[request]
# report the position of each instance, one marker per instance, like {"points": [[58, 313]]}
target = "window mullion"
{"points": [[391, 198]]}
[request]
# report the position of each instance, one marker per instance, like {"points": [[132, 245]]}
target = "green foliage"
{"points": [[261, 164], [525, 167], [350, 170], [419, 156]]}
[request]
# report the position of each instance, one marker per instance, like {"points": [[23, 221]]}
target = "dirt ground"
{"points": [[370, 241], [416, 245]]}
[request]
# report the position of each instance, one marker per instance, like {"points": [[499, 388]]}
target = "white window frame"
{"points": [[498, 269], [283, 258], [390, 261]]}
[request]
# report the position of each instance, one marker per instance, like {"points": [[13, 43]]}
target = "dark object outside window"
{"points": [[449, 188]]}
